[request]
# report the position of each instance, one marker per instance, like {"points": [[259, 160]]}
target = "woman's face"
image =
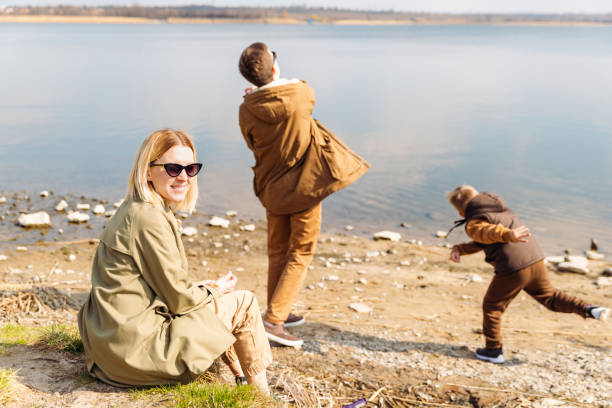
{"points": [[172, 189]]}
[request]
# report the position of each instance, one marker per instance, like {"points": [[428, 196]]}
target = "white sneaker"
{"points": [[599, 313]]}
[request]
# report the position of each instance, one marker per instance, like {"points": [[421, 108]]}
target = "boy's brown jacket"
{"points": [[298, 162]]}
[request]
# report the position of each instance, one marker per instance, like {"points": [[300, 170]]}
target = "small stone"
{"points": [[77, 217], [594, 255], [405, 263], [218, 244], [60, 231], [204, 263], [310, 287], [474, 278], [3, 257], [44, 194], [392, 251], [441, 234], [388, 235], [349, 228], [189, 231], [607, 272], [363, 281], [71, 257], [358, 289], [227, 236], [602, 281], [110, 213], [321, 285], [34, 220], [372, 254], [405, 225], [21, 249], [328, 264], [248, 227], [231, 213], [218, 222], [362, 272], [2, 200], [360, 308], [331, 278], [61, 206], [117, 204], [83, 207], [99, 209]]}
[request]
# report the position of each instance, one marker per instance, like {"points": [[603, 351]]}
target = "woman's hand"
{"points": [[224, 284]]}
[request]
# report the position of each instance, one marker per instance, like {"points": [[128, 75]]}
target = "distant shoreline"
{"points": [[52, 19]]}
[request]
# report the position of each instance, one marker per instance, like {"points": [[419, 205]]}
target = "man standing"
{"points": [[298, 162]]}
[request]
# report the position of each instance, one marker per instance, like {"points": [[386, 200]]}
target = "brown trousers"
{"points": [[239, 312], [291, 243], [504, 288]]}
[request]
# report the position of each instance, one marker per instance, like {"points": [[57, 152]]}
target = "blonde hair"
{"points": [[461, 196], [152, 148]]}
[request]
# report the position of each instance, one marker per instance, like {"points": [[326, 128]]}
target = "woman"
{"points": [[144, 322]]}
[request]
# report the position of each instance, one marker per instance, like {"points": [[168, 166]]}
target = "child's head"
{"points": [[257, 64], [461, 196]]}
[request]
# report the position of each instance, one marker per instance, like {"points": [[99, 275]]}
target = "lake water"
{"points": [[522, 111]]}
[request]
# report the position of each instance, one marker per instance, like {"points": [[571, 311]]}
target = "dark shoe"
{"points": [[294, 320], [597, 312], [241, 381], [277, 333], [491, 355]]}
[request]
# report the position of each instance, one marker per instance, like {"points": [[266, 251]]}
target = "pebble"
{"points": [[34, 220], [2, 200], [3, 257], [372, 254], [83, 207], [331, 278], [231, 213], [117, 204], [358, 289], [441, 234], [99, 209], [594, 255], [602, 281], [218, 222], [405, 225], [204, 263], [349, 228], [218, 244], [21, 249], [44, 194], [227, 236], [362, 272], [189, 231], [72, 257], [363, 281], [61, 206], [572, 266], [60, 231], [248, 227], [360, 308], [310, 287], [388, 235], [405, 263], [607, 272], [110, 213], [77, 217], [472, 277]]}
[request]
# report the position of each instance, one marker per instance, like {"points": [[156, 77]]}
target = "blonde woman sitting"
{"points": [[145, 323]]}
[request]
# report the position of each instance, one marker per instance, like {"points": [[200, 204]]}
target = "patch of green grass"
{"points": [[203, 394], [63, 337], [6, 384], [11, 334]]}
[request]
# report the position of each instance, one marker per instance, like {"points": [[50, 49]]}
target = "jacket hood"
{"points": [[484, 203], [274, 104]]}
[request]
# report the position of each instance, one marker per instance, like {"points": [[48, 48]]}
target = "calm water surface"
{"points": [[522, 111]]}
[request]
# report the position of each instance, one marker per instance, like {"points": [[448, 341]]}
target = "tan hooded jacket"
{"points": [[144, 323], [298, 162]]}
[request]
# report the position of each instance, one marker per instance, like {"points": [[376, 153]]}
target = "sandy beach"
{"points": [[414, 347]]}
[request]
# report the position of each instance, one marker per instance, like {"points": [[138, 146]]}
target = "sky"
{"points": [[453, 6]]}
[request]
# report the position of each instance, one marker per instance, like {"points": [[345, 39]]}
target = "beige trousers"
{"points": [[291, 243], [239, 312]]}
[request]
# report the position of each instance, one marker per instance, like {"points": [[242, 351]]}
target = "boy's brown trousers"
{"points": [[534, 281]]}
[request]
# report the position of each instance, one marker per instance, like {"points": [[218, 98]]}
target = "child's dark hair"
{"points": [[256, 64]]}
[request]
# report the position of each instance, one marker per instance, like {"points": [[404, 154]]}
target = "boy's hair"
{"points": [[461, 196], [151, 149], [256, 64]]}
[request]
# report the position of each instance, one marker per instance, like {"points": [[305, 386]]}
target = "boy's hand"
{"points": [[250, 89], [520, 234], [455, 256]]}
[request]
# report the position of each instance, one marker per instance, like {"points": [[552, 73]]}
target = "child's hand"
{"points": [[226, 283], [455, 256], [520, 234], [250, 89]]}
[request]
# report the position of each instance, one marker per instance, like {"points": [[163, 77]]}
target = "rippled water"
{"points": [[522, 111]]}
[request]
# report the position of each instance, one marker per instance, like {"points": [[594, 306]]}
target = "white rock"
{"points": [[44, 194], [61, 206], [117, 204], [441, 234], [189, 231], [218, 222], [358, 289], [2, 200], [60, 231], [349, 228], [372, 254], [110, 213], [331, 278], [579, 260], [83, 207], [37, 219], [603, 281], [360, 308], [231, 213], [362, 272], [405, 263], [204, 263], [248, 227], [3, 257], [77, 217], [72, 257], [594, 255], [21, 249], [363, 281], [218, 244], [227, 236], [99, 209], [575, 267], [388, 235], [472, 277]]}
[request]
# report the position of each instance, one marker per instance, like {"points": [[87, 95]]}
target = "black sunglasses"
{"points": [[174, 169]]}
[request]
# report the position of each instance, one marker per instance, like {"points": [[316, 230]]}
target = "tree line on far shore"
{"points": [[296, 13]]}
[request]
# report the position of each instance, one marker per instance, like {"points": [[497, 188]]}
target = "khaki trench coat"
{"points": [[298, 162], [144, 323]]}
